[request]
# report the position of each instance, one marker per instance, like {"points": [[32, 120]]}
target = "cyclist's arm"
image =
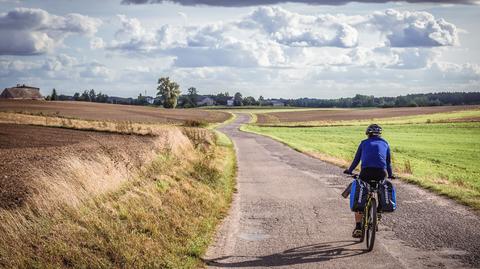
{"points": [[356, 160], [389, 165]]}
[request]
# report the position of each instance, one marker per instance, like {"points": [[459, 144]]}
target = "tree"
{"points": [[222, 98], [91, 95], [249, 101], [261, 100], [76, 96], [169, 91], [54, 95], [237, 99], [192, 96], [84, 96], [101, 98]]}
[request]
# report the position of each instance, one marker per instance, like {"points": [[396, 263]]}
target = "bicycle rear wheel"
{"points": [[371, 224]]}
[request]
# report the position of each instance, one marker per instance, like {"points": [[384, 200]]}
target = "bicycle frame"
{"points": [[372, 196], [367, 220]]}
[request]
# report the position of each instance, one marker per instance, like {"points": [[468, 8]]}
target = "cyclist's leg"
{"points": [[358, 217], [357, 231]]}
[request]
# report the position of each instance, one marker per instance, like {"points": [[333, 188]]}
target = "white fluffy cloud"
{"points": [[414, 29], [294, 29], [269, 51], [242, 3], [35, 31], [276, 37], [59, 67]]}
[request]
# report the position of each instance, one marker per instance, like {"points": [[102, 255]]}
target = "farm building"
{"points": [[150, 100], [277, 103], [206, 101], [120, 100], [21, 92]]}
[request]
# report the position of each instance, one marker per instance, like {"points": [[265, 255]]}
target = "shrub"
{"points": [[195, 123]]}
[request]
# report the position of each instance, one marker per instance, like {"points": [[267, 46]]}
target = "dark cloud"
{"points": [[242, 3]]}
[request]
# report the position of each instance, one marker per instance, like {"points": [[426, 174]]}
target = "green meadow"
{"points": [[443, 157]]}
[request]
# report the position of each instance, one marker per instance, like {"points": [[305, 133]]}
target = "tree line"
{"points": [[410, 100], [87, 96], [169, 96]]}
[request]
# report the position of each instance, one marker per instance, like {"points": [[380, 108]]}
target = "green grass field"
{"points": [[443, 157]]}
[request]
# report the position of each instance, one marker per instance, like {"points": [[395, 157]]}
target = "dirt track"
{"points": [[111, 112], [23, 149], [354, 114], [288, 213]]}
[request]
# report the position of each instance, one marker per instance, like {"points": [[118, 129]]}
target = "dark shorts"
{"points": [[370, 174]]}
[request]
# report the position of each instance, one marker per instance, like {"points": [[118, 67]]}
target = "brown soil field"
{"points": [[112, 112], [26, 149], [353, 114]]}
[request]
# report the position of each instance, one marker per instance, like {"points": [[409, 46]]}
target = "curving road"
{"points": [[288, 213]]}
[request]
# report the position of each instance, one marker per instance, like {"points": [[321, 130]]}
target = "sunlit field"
{"points": [[439, 156]]}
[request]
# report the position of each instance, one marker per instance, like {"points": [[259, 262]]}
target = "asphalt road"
{"points": [[288, 213]]}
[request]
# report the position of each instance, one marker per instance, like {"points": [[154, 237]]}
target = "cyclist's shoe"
{"points": [[357, 233]]}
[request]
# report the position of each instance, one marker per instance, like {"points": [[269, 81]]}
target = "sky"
{"points": [[273, 48]]}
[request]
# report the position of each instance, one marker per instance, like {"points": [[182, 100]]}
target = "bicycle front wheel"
{"points": [[372, 224]]}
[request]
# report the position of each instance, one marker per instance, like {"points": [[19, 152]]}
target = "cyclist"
{"points": [[374, 153]]}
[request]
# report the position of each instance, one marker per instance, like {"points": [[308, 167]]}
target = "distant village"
{"points": [[224, 99], [192, 99]]}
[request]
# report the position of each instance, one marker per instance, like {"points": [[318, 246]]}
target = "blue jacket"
{"points": [[373, 152]]}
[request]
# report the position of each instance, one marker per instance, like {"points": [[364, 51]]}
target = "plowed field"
{"points": [[111, 112], [353, 114], [25, 149]]}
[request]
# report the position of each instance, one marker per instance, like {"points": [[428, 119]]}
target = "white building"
{"points": [[149, 99], [207, 101], [230, 102], [277, 103]]}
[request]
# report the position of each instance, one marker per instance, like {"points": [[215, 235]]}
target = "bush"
{"points": [[195, 123]]}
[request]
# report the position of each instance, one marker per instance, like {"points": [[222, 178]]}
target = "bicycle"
{"points": [[371, 216]]}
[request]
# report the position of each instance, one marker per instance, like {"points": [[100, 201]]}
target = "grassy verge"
{"points": [[159, 214], [438, 156]]}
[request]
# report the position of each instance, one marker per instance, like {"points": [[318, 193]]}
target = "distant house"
{"points": [[149, 100], [206, 101], [230, 102], [119, 100], [277, 103], [21, 92]]}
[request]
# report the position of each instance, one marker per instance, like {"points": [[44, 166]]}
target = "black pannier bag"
{"points": [[387, 196], [358, 195]]}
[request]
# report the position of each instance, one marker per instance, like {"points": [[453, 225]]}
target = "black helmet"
{"points": [[373, 129]]}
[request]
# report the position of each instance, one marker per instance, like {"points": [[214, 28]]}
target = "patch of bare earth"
{"points": [[354, 114], [112, 112], [26, 149]]}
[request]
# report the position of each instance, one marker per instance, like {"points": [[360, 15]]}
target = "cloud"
{"points": [[35, 31], [455, 72], [133, 37], [267, 37], [97, 43], [275, 37], [60, 67], [414, 29], [96, 70], [294, 29], [243, 3]]}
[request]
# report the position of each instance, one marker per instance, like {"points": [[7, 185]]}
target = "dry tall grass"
{"points": [[123, 127], [156, 210]]}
